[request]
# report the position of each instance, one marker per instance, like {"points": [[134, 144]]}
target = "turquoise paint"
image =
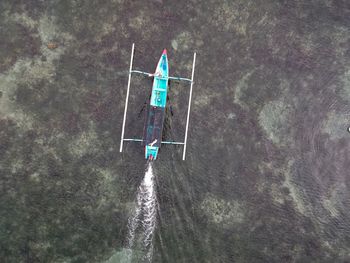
{"points": [[160, 83], [158, 97], [151, 150]]}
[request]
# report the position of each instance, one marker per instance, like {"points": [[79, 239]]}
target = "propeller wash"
{"points": [[142, 224]]}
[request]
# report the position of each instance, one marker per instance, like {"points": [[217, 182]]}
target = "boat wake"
{"points": [[142, 223]]}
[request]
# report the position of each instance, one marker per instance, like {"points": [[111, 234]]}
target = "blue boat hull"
{"points": [[152, 135]]}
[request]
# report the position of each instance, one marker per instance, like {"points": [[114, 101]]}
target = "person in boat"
{"points": [[156, 74], [152, 143]]}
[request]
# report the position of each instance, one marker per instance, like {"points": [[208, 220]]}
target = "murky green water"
{"points": [[266, 175]]}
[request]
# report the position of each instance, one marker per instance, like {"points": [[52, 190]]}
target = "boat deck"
{"points": [[153, 125]]}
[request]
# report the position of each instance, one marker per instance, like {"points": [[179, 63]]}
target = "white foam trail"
{"points": [[149, 210], [133, 222], [145, 216]]}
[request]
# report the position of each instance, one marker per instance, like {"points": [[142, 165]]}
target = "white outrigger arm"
{"points": [[122, 139]]}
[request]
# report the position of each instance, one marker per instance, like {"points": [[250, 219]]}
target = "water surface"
{"points": [[266, 175]]}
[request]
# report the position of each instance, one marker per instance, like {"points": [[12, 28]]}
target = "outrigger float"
{"points": [[152, 134]]}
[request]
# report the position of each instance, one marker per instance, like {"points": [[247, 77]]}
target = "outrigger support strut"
{"points": [[179, 78], [141, 72], [189, 108], [133, 140], [151, 75], [165, 142], [127, 98]]}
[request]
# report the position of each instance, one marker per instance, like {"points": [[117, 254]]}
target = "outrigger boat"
{"points": [[152, 134]]}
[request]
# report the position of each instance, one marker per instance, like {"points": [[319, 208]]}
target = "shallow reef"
{"points": [[266, 176]]}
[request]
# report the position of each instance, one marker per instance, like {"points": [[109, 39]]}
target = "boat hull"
{"points": [[153, 128]]}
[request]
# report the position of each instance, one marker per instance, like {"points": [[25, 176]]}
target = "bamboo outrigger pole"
{"points": [[127, 98], [189, 108]]}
